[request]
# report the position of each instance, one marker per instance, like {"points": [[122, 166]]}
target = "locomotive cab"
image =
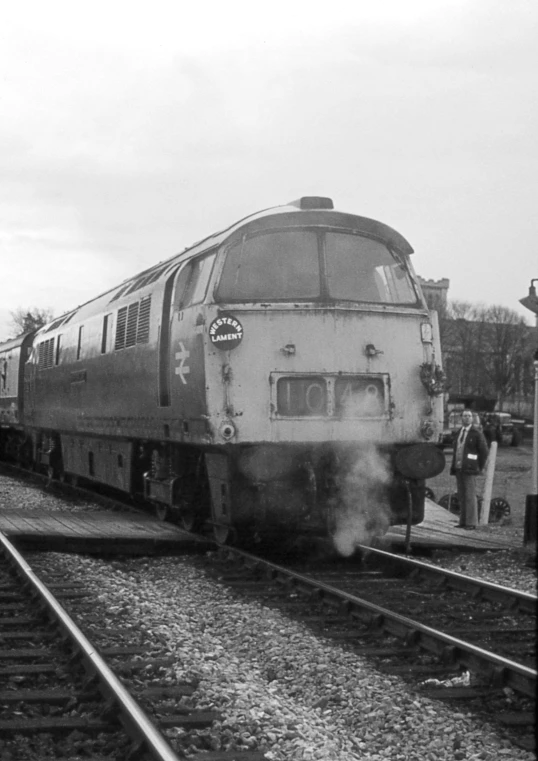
{"points": [[310, 336]]}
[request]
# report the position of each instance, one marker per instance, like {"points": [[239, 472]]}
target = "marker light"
{"points": [[227, 430], [313, 202], [426, 332]]}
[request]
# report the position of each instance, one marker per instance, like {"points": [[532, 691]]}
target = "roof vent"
{"points": [[313, 202]]}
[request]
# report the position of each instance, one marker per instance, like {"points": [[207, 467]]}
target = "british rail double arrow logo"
{"points": [[182, 368]]}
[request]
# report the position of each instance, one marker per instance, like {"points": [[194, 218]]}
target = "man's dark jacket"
{"points": [[475, 452]]}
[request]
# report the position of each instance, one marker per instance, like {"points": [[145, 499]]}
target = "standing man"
{"points": [[470, 455]]}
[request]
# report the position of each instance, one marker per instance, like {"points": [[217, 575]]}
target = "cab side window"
{"points": [[192, 282]]}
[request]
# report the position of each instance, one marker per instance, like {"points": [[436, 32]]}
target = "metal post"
{"points": [[531, 503], [488, 486]]}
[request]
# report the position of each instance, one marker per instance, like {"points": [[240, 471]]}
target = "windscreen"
{"points": [[362, 269], [314, 265], [278, 265]]}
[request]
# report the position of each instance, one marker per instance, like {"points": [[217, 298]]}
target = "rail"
{"points": [[135, 721], [524, 601], [502, 671]]}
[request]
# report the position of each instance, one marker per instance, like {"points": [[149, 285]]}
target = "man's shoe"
{"points": [[469, 528]]}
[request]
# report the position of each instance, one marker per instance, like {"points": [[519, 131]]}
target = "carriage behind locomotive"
{"points": [[270, 378]]}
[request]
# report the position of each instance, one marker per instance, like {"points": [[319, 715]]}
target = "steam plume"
{"points": [[362, 512]]}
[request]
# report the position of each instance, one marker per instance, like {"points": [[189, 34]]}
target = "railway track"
{"points": [[56, 683], [453, 637]]}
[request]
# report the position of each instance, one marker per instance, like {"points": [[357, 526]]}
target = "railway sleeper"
{"points": [[27, 635], [65, 725], [347, 635], [232, 755], [50, 697], [64, 591], [166, 692], [11, 597], [24, 653], [412, 669], [457, 631], [325, 619], [14, 606], [385, 652], [26, 726], [517, 718], [460, 693], [31, 669], [141, 665]]}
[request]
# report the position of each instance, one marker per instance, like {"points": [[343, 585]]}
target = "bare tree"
{"points": [[26, 319], [486, 350], [506, 347], [462, 344]]}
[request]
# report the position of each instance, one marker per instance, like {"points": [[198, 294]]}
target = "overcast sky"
{"points": [[130, 130]]}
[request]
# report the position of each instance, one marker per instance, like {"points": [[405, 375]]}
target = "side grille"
{"points": [[132, 325], [121, 325], [142, 336], [45, 354]]}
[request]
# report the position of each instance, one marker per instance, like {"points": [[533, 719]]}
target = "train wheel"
{"points": [[450, 502], [68, 478], [223, 533], [24, 455], [189, 519], [499, 508], [188, 507], [50, 475], [162, 511]]}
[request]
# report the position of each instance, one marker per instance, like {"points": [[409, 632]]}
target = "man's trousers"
{"points": [[467, 499]]}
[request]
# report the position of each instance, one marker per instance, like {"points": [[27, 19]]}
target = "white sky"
{"points": [[130, 130]]}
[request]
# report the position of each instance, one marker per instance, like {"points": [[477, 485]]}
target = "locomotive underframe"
{"points": [[249, 490]]}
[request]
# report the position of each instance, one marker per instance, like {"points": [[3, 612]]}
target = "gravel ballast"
{"points": [[277, 686]]}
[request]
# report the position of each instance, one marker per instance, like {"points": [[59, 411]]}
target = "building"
{"points": [[436, 294], [488, 361]]}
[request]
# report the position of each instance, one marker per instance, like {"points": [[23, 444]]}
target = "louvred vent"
{"points": [[142, 335], [132, 325]]}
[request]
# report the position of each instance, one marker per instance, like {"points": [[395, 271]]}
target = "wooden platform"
{"points": [[96, 532], [439, 530], [113, 532]]}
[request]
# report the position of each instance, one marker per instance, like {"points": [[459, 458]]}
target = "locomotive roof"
{"points": [[308, 210], [14, 343], [311, 207]]}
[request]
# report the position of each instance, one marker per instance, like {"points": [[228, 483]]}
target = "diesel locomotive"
{"points": [[280, 377]]}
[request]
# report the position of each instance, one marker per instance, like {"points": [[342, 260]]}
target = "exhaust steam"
{"points": [[362, 512]]}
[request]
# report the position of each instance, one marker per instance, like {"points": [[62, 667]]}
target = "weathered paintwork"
{"points": [[326, 342], [141, 366]]}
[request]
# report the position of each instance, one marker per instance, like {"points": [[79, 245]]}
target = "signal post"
{"points": [[531, 503]]}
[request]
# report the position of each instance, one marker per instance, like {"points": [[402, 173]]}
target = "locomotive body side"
{"points": [[93, 386], [83, 378], [271, 378]]}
